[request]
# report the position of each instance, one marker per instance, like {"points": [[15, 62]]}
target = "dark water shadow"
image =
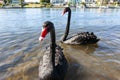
{"points": [[76, 71]]}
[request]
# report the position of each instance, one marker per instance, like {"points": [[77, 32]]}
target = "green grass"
{"points": [[33, 5], [1, 5]]}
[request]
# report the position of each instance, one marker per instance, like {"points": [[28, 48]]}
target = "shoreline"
{"points": [[62, 7]]}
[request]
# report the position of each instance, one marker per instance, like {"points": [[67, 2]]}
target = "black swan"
{"points": [[79, 38], [54, 64]]}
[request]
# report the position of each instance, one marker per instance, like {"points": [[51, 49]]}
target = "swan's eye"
{"points": [[44, 25]]}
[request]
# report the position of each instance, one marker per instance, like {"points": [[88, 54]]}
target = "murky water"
{"points": [[21, 52]]}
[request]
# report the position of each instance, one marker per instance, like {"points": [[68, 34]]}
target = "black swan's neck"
{"points": [[52, 46], [67, 26]]}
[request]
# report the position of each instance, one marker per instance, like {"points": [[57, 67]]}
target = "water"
{"points": [[21, 52]]}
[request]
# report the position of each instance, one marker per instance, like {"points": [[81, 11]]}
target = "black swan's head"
{"points": [[67, 9], [47, 27]]}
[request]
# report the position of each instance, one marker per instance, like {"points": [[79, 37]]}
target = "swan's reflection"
{"points": [[88, 49]]}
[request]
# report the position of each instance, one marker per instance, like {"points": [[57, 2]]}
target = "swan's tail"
{"points": [[88, 38]]}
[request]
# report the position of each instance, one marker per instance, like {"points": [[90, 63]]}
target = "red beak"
{"points": [[43, 34], [63, 12]]}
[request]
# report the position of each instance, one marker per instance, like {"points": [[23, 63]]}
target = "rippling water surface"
{"points": [[21, 52]]}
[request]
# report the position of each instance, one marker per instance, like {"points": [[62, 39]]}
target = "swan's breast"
{"points": [[45, 67]]}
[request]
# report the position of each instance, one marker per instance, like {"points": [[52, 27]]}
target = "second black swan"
{"points": [[79, 38]]}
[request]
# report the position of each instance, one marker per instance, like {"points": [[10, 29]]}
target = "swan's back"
{"points": [[82, 38], [46, 69]]}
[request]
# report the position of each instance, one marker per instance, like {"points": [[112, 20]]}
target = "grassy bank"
{"points": [[48, 5], [33, 5]]}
